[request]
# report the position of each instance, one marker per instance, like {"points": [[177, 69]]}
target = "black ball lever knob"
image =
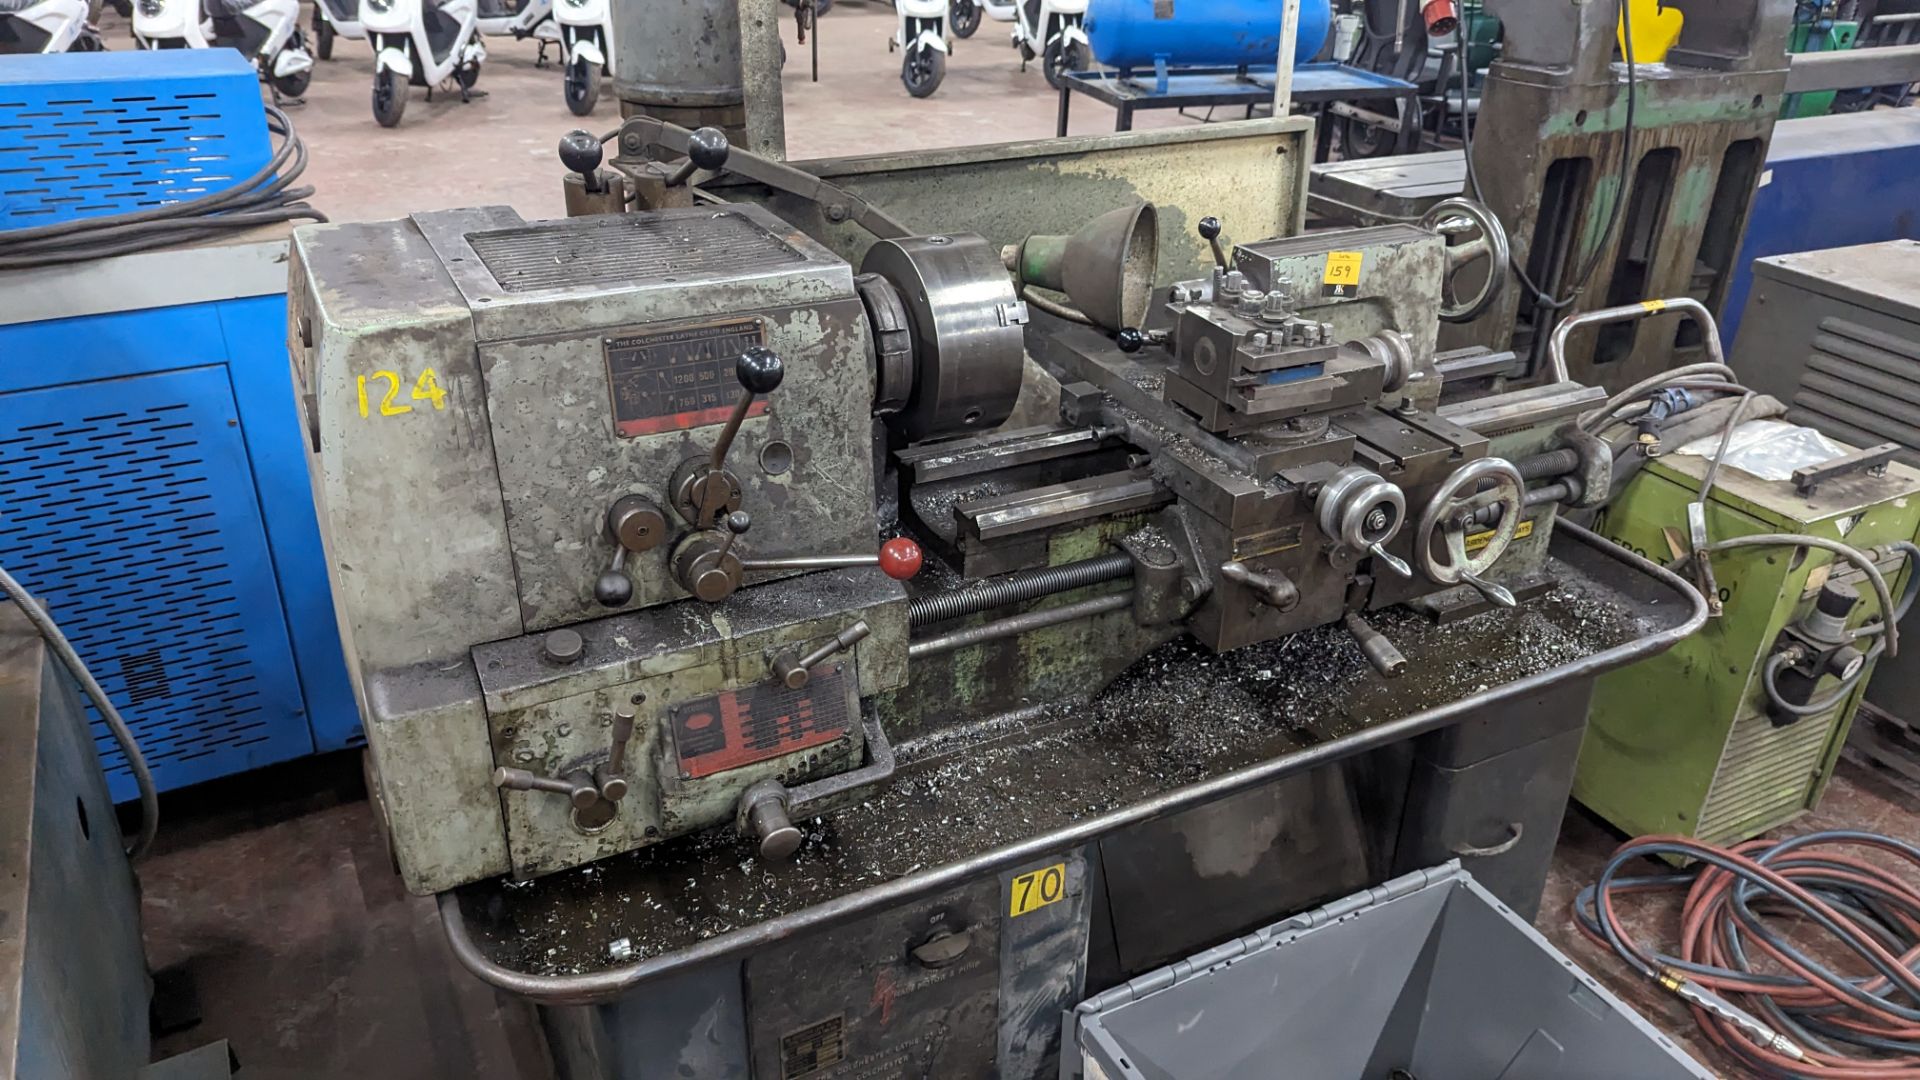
{"points": [[760, 370], [1130, 339], [1209, 228], [581, 153], [614, 589], [708, 148], [739, 522]]}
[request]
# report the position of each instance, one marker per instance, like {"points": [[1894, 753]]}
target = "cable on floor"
{"points": [[1761, 926]]}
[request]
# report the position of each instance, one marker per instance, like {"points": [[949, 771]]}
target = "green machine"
{"points": [[1692, 742], [1816, 28]]}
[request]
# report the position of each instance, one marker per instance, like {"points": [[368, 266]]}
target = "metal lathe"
{"points": [[826, 621]]}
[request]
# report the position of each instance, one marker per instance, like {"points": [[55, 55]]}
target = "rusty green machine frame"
{"points": [[1618, 184]]}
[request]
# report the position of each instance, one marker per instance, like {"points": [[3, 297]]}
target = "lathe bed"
{"points": [[1164, 735]]}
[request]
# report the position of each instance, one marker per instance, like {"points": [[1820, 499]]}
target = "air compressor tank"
{"points": [[1127, 33]]}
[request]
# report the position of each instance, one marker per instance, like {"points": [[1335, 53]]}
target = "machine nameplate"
{"points": [[813, 1048], [678, 377], [767, 720]]}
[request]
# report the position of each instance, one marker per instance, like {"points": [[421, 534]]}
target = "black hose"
{"points": [[122, 734], [265, 198], [1770, 681]]}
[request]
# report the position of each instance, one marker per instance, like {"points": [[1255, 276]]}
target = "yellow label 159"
{"points": [[1343, 268], [1654, 305], [1038, 888], [386, 391]]}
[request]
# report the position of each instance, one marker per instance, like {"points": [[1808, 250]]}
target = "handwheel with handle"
{"points": [[1475, 486], [1458, 216]]}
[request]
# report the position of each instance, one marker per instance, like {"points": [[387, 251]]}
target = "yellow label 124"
{"points": [[386, 391]]}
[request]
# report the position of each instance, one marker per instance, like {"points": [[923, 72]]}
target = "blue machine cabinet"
{"points": [[153, 485], [154, 494], [1830, 181]]}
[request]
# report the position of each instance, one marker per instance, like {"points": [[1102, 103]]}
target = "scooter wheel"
{"points": [[389, 98], [964, 15], [922, 71], [582, 87], [294, 85], [323, 35], [1057, 62]]}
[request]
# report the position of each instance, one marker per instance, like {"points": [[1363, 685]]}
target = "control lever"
{"points": [[1210, 232], [641, 135], [614, 588], [707, 148], [580, 152], [796, 673], [636, 525], [1393, 562], [1131, 339], [738, 523], [611, 776], [708, 570], [1379, 652], [702, 488], [1274, 591], [898, 558], [578, 787]]}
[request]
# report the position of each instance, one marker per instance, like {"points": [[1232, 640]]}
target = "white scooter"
{"points": [[519, 19], [46, 26], [268, 31], [1053, 30], [586, 49], [420, 43], [922, 35], [335, 19]]}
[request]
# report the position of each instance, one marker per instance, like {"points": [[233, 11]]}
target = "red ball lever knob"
{"points": [[900, 558]]}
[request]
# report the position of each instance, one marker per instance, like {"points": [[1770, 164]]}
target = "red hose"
{"points": [[1816, 872]]}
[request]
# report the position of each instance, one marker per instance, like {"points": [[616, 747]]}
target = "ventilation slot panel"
{"points": [[127, 508], [79, 149]]}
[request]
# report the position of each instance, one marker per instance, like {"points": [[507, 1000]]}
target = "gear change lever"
{"points": [[589, 190], [581, 153], [707, 148], [702, 489]]}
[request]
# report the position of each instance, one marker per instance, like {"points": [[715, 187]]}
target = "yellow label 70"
{"points": [[386, 388], [1038, 888]]}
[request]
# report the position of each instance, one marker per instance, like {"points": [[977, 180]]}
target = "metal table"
{"points": [[1317, 84], [1375, 191]]}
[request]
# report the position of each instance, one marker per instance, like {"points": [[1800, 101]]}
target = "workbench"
{"points": [[1317, 85]]}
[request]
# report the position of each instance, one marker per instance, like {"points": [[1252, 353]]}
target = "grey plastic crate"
{"points": [[1427, 974]]}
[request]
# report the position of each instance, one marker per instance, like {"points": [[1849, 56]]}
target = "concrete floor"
{"points": [[307, 954], [500, 147]]}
